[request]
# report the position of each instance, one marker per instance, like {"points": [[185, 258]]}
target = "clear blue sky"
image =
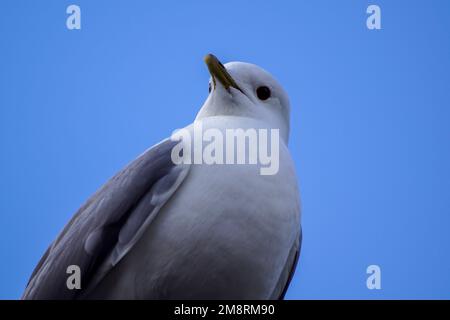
{"points": [[370, 123]]}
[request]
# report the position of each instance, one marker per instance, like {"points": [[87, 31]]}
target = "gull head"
{"points": [[245, 90]]}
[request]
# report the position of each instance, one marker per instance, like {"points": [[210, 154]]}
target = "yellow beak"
{"points": [[218, 71]]}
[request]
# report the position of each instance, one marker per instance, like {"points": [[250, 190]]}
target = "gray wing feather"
{"points": [[289, 270], [108, 225]]}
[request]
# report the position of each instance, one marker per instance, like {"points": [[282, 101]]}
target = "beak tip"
{"points": [[209, 58]]}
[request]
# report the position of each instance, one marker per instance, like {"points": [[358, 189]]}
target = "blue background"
{"points": [[370, 123]]}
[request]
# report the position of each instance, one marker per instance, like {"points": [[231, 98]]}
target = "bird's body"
{"points": [[231, 249], [162, 230]]}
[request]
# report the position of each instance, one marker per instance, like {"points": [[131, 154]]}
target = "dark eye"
{"points": [[263, 93], [209, 87]]}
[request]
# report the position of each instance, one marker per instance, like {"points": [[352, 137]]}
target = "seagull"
{"points": [[161, 230]]}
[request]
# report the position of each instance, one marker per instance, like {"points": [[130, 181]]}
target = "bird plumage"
{"points": [[158, 230]]}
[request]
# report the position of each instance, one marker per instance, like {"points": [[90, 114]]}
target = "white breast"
{"points": [[226, 233]]}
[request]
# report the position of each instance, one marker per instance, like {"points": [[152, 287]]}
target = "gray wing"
{"points": [[289, 269], [107, 226]]}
